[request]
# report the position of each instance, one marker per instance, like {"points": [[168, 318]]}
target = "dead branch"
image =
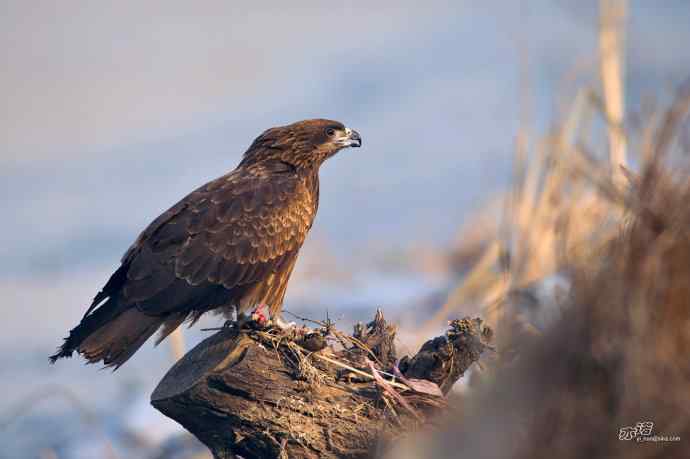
{"points": [[260, 393]]}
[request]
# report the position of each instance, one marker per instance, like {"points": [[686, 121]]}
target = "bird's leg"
{"points": [[260, 316]]}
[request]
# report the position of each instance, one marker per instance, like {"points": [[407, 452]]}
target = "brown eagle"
{"points": [[229, 245]]}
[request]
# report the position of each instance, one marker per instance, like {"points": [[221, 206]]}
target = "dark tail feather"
{"points": [[110, 289], [91, 322], [110, 334]]}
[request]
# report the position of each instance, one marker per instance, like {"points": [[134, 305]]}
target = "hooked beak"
{"points": [[350, 139]]}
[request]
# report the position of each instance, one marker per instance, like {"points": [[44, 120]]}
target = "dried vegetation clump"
{"points": [[614, 351], [314, 392]]}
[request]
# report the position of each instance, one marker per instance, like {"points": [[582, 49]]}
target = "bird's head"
{"points": [[305, 143]]}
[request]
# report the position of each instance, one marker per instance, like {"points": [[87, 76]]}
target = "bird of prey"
{"points": [[230, 245]]}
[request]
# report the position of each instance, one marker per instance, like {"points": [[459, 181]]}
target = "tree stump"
{"points": [[260, 393]]}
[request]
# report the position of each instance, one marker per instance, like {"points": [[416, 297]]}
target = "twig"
{"points": [[386, 386], [328, 326], [356, 371]]}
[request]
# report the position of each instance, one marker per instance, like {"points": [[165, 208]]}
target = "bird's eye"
{"points": [[330, 132]]}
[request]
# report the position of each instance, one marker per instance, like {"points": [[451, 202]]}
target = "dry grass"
{"points": [[565, 201], [558, 211], [614, 352]]}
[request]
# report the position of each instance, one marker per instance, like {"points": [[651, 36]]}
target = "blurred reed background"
{"points": [[576, 369], [559, 205], [584, 275], [503, 160]]}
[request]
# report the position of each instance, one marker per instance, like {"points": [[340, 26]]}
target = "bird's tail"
{"points": [[109, 334]]}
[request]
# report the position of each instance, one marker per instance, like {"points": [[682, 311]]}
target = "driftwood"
{"points": [[260, 393]]}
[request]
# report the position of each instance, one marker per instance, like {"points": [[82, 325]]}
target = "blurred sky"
{"points": [[112, 111]]}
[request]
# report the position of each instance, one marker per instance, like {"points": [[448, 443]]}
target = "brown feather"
{"points": [[232, 242]]}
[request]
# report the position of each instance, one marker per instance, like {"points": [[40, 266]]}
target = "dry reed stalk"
{"points": [[554, 212], [177, 344], [616, 355], [611, 46]]}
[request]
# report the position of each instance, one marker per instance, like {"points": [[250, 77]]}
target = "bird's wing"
{"points": [[234, 231]]}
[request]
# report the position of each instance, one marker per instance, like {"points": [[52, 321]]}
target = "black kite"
{"points": [[232, 243]]}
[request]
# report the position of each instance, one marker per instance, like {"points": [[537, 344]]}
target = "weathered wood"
{"points": [[259, 394]]}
